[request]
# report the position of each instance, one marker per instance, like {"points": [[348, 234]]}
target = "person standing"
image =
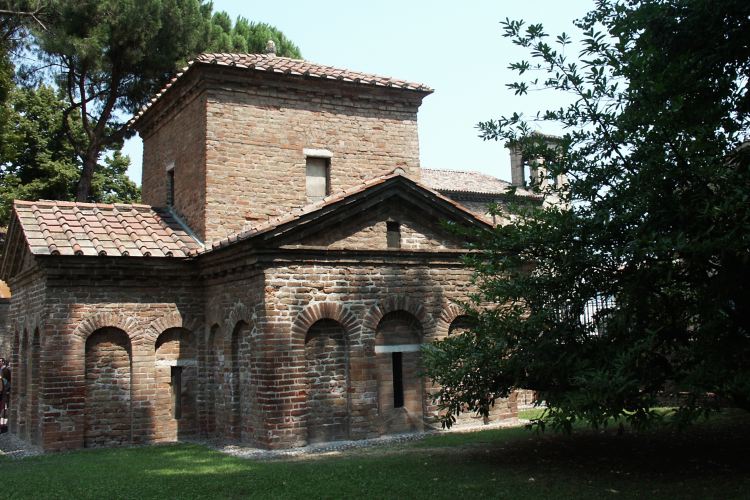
{"points": [[4, 395]]}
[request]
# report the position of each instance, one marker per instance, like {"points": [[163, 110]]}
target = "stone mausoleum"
{"points": [[275, 288]]}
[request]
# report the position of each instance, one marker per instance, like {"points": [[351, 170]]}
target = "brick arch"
{"points": [[238, 312], [30, 323], [313, 313], [172, 319], [449, 313], [96, 321], [399, 303]]}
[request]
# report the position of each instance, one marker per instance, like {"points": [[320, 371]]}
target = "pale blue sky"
{"points": [[456, 48]]}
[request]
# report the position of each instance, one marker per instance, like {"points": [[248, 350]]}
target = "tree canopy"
{"points": [[107, 58], [637, 293]]}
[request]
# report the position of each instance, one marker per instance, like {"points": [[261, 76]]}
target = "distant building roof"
{"points": [[270, 63], [457, 181], [68, 228]]}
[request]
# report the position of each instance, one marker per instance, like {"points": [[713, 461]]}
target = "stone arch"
{"points": [[398, 303], [108, 388], [175, 376], [447, 315], [327, 381], [238, 312], [317, 311], [172, 319], [101, 320]]}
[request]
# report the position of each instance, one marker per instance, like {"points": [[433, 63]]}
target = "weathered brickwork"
{"points": [[257, 137], [179, 144], [301, 329], [108, 382], [370, 232]]}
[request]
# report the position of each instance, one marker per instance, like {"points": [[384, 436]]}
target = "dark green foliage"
{"points": [[37, 160], [110, 56], [248, 37], [659, 225]]}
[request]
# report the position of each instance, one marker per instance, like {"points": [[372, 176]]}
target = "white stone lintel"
{"points": [[176, 362], [317, 153], [397, 348]]}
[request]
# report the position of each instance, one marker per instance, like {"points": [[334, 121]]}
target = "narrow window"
{"points": [[398, 380], [393, 234], [170, 187], [176, 373], [318, 183]]}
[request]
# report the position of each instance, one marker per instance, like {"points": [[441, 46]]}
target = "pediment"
{"points": [[368, 230], [358, 219]]}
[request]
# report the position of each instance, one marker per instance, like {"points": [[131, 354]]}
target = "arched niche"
{"points": [[108, 368], [176, 374], [327, 369]]}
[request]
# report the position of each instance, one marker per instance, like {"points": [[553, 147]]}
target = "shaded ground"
{"points": [[709, 461]]}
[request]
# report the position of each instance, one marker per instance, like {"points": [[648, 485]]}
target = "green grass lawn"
{"points": [[707, 461]]}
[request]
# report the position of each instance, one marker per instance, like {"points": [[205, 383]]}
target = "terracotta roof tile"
{"points": [[285, 65], [68, 228], [468, 182]]}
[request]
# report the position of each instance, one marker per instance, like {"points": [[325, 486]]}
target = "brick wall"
{"points": [[179, 142], [273, 346], [256, 134], [142, 299], [237, 144], [418, 232], [25, 332]]}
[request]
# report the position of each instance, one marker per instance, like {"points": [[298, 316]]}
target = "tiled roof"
{"points": [[285, 65], [68, 228], [468, 182], [331, 200]]}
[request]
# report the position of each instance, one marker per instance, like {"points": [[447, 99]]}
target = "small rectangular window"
{"points": [[170, 187], [317, 179], [176, 380], [393, 234], [398, 379]]}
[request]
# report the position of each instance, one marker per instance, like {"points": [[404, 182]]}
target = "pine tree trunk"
{"points": [[84, 183]]}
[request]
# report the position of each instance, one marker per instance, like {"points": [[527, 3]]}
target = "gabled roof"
{"points": [[457, 181], [336, 201], [269, 63], [69, 228]]}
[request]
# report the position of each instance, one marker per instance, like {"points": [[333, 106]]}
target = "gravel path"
{"points": [[335, 447], [11, 446]]}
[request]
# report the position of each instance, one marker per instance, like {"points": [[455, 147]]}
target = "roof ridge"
{"points": [[65, 203], [461, 172], [282, 65]]}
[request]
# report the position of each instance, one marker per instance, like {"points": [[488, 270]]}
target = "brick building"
{"points": [[275, 288]]}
